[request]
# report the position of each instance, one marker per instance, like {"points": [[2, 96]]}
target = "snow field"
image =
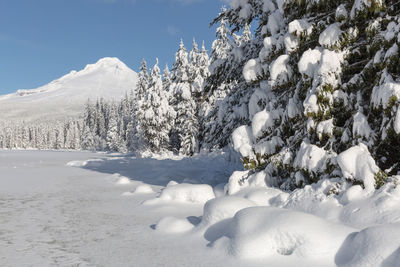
{"points": [[186, 223]]}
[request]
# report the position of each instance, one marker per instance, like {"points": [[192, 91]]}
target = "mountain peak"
{"points": [[108, 78], [109, 63]]}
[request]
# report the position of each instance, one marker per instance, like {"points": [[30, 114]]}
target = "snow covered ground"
{"points": [[93, 209]]}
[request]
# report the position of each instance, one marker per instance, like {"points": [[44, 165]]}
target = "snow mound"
{"points": [[189, 193], [143, 189], [262, 232], [357, 163], [121, 180], [373, 246], [77, 163], [261, 196], [218, 209], [173, 225]]}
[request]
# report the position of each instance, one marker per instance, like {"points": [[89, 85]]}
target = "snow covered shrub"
{"points": [[324, 81]]}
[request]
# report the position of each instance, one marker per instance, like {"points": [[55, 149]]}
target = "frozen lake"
{"points": [[52, 214]]}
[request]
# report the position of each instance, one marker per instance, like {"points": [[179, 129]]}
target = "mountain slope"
{"points": [[65, 97]]}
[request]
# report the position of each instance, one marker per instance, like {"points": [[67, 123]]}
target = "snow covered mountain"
{"points": [[65, 97]]}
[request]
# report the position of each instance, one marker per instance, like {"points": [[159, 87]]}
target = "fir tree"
{"points": [[157, 114]]}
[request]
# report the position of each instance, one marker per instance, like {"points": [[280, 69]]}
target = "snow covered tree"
{"points": [[135, 138], [326, 82], [158, 116], [226, 94], [167, 79], [184, 137], [112, 132]]}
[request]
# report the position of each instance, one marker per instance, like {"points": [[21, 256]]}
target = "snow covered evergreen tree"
{"points": [[113, 140], [136, 138], [158, 116], [184, 137], [226, 94], [326, 86]]}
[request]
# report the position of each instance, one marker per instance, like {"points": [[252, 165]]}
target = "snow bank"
{"points": [[189, 193], [262, 232], [173, 225], [356, 163], [373, 246]]}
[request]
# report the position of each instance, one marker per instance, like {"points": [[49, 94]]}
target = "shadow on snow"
{"points": [[210, 170]]}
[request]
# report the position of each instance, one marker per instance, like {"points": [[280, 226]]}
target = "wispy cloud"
{"points": [[172, 30]]}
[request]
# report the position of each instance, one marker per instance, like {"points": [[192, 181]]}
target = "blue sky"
{"points": [[41, 40]]}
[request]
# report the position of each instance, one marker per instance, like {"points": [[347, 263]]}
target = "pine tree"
{"points": [[226, 93], [184, 136], [318, 81], [136, 135], [158, 115], [113, 141]]}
